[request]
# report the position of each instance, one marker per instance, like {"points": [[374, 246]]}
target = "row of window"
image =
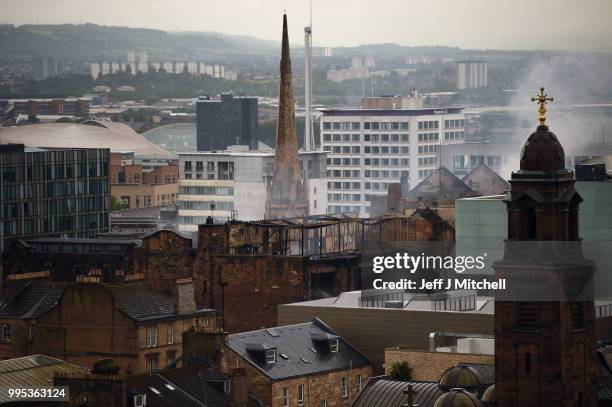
{"points": [[344, 391], [384, 162], [429, 124], [344, 197], [206, 205], [337, 209], [461, 161], [367, 150], [374, 138], [205, 190], [385, 174], [404, 125], [343, 174], [451, 124], [428, 137], [343, 161], [427, 161], [152, 335], [430, 149], [454, 135], [344, 185]]}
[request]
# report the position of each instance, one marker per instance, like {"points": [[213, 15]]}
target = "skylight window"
{"points": [[170, 387], [284, 356], [154, 390], [304, 360], [313, 350], [272, 332]]}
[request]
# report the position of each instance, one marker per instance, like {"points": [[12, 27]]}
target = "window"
{"points": [[227, 386], [300, 395], [344, 387], [577, 310], [151, 336], [6, 333], [170, 357], [151, 363], [271, 356], [527, 316], [187, 165], [170, 333], [285, 396], [324, 403]]}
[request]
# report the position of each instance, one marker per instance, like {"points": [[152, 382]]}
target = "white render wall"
{"points": [[380, 175]]}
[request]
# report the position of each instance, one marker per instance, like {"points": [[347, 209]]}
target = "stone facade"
{"points": [[317, 387], [429, 366]]}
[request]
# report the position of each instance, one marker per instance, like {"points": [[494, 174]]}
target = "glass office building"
{"points": [[53, 192]]}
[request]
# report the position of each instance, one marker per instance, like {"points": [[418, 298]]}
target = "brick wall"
{"points": [[429, 366]]}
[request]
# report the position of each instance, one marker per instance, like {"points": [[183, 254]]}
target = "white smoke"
{"points": [[572, 79]]}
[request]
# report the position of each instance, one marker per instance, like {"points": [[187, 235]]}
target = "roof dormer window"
{"points": [[334, 345], [270, 357]]}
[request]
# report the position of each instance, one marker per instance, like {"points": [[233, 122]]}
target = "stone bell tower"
{"points": [[545, 321]]}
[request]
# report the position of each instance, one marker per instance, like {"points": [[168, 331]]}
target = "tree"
{"points": [[401, 371]]}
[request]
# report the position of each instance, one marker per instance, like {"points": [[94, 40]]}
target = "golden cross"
{"points": [[542, 99]]}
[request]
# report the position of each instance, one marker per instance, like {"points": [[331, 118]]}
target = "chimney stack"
{"points": [[239, 388], [185, 296]]}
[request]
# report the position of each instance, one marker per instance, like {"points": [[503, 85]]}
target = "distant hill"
{"points": [[91, 41]]}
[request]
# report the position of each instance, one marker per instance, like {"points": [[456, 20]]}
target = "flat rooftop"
{"points": [[352, 299]]}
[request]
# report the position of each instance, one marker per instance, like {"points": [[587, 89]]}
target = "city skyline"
{"points": [[477, 24]]}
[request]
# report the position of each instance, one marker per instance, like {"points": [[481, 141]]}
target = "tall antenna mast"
{"points": [[309, 142]]}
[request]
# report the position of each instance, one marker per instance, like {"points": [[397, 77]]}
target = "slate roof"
{"points": [[143, 305], [32, 371], [484, 180], [137, 302], [385, 392], [34, 299], [182, 387], [439, 184], [295, 351]]}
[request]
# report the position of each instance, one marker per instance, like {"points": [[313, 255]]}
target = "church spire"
{"points": [[286, 196]]}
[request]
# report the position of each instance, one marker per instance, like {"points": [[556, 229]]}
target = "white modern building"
{"points": [[472, 74], [368, 149], [232, 184]]}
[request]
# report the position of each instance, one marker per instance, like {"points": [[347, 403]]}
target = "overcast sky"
{"points": [[475, 24]]}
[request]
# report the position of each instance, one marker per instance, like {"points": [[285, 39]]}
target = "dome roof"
{"points": [[489, 394], [118, 137], [461, 376], [458, 398], [542, 152]]}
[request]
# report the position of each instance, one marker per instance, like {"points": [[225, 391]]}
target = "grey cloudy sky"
{"points": [[476, 24]]}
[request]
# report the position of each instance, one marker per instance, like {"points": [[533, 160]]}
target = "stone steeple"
{"points": [[545, 336], [286, 197]]}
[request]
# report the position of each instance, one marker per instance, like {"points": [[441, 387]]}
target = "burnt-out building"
{"points": [[245, 269]]}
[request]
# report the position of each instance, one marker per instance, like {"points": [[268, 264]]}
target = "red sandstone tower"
{"points": [[285, 195], [545, 323]]}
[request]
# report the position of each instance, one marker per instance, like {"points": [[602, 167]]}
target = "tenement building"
{"points": [[545, 336], [370, 148], [85, 321], [53, 192], [305, 364]]}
